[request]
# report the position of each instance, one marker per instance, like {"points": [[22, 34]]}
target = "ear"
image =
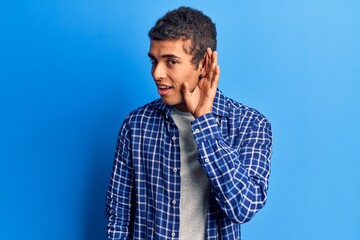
{"points": [[202, 67]]}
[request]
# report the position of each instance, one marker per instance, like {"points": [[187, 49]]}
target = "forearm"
{"points": [[238, 172], [119, 194], [118, 220], [118, 208]]}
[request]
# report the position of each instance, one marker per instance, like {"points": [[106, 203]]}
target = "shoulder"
{"points": [[152, 110], [244, 114], [228, 107]]}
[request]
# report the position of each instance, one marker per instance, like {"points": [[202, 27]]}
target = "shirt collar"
{"points": [[220, 107]]}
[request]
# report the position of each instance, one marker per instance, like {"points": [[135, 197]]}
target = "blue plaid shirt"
{"points": [[234, 143]]}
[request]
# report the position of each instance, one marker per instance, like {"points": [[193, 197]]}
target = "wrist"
{"points": [[201, 113]]}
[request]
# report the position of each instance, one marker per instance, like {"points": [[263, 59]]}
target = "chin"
{"points": [[170, 102]]}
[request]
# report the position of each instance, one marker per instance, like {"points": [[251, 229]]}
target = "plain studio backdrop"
{"points": [[70, 71]]}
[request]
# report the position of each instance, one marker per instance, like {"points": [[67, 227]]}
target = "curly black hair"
{"points": [[186, 23]]}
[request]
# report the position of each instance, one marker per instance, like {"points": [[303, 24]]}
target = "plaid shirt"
{"points": [[234, 143]]}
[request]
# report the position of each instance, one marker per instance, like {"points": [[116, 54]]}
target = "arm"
{"points": [[118, 199], [239, 174]]}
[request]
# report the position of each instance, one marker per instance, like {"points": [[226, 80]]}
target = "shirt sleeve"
{"points": [[118, 198], [238, 171]]}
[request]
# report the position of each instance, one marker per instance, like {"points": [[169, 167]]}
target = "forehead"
{"points": [[169, 47]]}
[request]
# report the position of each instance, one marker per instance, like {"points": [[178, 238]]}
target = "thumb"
{"points": [[185, 91]]}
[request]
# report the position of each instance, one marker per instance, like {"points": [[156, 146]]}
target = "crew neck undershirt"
{"points": [[195, 185]]}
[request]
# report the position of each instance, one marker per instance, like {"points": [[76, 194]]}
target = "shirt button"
{"points": [[173, 202], [173, 234], [196, 131], [206, 160], [173, 138], [175, 169]]}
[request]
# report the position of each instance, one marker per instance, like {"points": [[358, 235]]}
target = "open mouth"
{"points": [[162, 90]]}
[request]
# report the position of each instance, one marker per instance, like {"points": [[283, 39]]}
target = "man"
{"points": [[193, 164]]}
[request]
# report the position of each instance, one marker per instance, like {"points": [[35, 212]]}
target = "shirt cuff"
{"points": [[205, 128]]}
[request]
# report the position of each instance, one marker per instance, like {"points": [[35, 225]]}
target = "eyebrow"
{"points": [[165, 56]]}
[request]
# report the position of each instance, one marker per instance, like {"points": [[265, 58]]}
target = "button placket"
{"points": [[174, 169]]}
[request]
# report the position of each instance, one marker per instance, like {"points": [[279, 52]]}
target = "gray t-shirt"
{"points": [[195, 185]]}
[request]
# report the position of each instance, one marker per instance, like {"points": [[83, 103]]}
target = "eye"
{"points": [[153, 61], [172, 62]]}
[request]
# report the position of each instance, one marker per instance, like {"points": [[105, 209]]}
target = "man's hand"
{"points": [[200, 101]]}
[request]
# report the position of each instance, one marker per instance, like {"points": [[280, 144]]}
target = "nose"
{"points": [[158, 72]]}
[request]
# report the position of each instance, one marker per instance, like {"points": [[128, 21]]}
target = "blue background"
{"points": [[71, 70]]}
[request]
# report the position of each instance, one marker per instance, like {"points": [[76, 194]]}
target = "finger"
{"points": [[212, 65], [209, 51], [214, 60], [206, 60], [215, 71], [216, 77]]}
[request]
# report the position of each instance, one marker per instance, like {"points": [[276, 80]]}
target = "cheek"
{"points": [[152, 70], [193, 80], [180, 77]]}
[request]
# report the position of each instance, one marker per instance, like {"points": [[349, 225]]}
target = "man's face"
{"points": [[171, 67]]}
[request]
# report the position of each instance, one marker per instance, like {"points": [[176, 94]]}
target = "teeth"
{"points": [[164, 87]]}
